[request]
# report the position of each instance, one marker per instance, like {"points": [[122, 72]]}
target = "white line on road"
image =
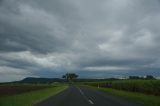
{"points": [[90, 102], [81, 91], [85, 96]]}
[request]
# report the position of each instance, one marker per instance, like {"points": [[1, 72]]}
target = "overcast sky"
{"points": [[93, 38]]}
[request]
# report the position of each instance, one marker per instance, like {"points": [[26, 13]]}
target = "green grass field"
{"points": [[31, 98]]}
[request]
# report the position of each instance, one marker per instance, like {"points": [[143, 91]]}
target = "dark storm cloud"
{"points": [[26, 28], [107, 38]]}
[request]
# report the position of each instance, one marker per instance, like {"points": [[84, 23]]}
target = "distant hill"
{"points": [[40, 80], [52, 80]]}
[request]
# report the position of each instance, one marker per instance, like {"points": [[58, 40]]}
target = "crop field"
{"points": [[7, 90], [151, 87]]}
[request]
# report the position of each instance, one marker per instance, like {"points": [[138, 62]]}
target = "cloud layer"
{"points": [[96, 39]]}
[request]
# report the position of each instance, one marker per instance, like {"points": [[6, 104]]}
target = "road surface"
{"points": [[80, 96]]}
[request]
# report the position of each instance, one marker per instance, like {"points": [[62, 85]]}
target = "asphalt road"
{"points": [[78, 96]]}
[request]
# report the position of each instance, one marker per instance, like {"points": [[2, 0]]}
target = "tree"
{"points": [[70, 76], [64, 76]]}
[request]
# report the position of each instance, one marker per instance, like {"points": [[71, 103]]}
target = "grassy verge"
{"points": [[147, 100], [31, 98]]}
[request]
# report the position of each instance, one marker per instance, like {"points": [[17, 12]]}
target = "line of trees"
{"points": [[70, 77], [138, 77]]}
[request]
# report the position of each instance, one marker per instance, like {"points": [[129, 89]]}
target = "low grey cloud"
{"points": [[96, 39]]}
